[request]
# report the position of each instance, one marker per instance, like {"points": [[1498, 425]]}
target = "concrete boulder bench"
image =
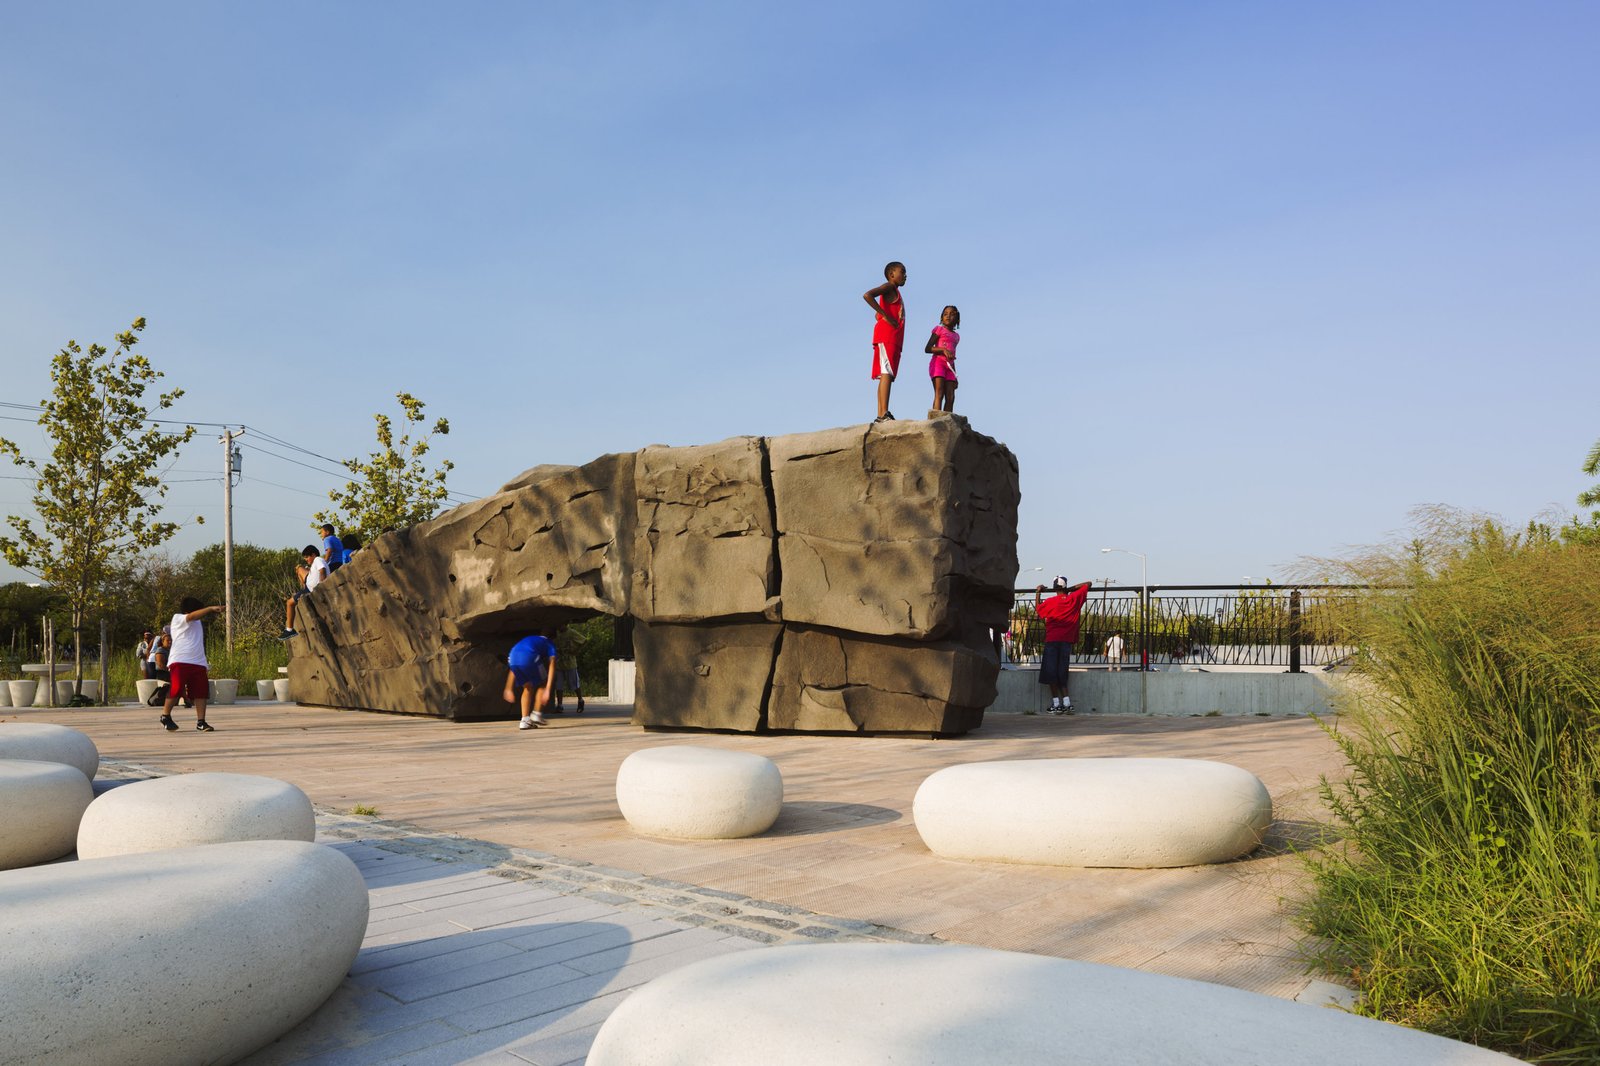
{"points": [[44, 742], [957, 1006], [185, 956], [42, 804], [190, 809], [1142, 813], [692, 793]]}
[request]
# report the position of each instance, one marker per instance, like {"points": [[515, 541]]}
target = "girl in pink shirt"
{"points": [[942, 367]]}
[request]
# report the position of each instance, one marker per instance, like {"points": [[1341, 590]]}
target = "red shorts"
{"points": [[190, 682], [885, 360]]}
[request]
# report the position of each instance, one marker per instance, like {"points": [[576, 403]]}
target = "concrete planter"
{"points": [[265, 690], [224, 690], [146, 687], [22, 692], [5, 695], [281, 688], [91, 690]]}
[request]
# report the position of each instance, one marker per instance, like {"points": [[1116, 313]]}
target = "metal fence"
{"points": [[1289, 626]]}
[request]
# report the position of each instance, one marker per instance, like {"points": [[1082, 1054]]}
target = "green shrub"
{"points": [[1465, 896]]}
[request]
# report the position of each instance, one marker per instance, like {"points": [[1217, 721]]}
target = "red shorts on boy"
{"points": [[190, 681], [885, 360]]}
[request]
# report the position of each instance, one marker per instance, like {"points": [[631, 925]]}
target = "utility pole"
{"points": [[231, 465]]}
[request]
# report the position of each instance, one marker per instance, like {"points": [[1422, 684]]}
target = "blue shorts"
{"points": [[529, 673], [1053, 668]]}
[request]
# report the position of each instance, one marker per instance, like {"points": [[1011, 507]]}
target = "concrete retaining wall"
{"points": [[1175, 692]]}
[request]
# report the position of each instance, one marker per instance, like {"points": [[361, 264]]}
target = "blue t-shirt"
{"points": [[333, 550], [530, 654]]}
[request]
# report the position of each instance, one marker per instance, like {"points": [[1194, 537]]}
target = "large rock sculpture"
{"points": [[842, 581]]}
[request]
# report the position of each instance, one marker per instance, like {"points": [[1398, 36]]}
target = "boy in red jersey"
{"points": [[1060, 613], [888, 333]]}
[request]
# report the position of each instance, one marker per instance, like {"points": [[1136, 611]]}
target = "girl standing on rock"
{"points": [[942, 367]]}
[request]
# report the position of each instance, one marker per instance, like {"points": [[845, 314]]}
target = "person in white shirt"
{"points": [[1114, 648], [311, 575], [187, 663]]}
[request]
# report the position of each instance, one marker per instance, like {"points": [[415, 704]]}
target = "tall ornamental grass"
{"points": [[1465, 896]]}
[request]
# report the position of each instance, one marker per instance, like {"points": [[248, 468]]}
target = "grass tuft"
{"points": [[1464, 898]]}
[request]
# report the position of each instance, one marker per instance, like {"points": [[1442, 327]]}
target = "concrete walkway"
{"points": [[512, 906]]}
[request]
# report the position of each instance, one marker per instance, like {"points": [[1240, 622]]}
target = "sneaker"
{"points": [[171, 726], [580, 705], [887, 416], [287, 633], [538, 719], [526, 723], [202, 726]]}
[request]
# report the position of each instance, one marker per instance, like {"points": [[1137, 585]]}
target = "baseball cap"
{"points": [[1059, 583]]}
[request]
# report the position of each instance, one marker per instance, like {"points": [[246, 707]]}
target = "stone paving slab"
{"points": [[494, 841]]}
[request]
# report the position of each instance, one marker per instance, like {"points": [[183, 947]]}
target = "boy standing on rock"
{"points": [[888, 333]]}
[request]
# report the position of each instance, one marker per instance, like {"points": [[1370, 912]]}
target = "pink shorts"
{"points": [[940, 367], [190, 681]]}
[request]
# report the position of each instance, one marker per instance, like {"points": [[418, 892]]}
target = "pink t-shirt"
{"points": [[939, 366]]}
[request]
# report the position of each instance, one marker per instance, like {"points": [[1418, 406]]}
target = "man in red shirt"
{"points": [[1060, 613]]}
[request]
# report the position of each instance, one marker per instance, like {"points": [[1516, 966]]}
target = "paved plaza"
{"points": [[513, 908]]}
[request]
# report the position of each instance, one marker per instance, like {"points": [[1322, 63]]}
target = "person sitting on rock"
{"points": [[332, 548], [310, 574], [532, 661]]}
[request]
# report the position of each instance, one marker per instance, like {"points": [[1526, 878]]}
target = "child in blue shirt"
{"points": [[531, 661]]}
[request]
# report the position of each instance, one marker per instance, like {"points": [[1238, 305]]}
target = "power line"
{"points": [[291, 488]]}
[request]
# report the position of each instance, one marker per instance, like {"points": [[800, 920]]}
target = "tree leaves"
{"points": [[97, 495], [393, 488]]}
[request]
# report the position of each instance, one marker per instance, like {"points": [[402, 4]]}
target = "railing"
{"points": [[1287, 626]]}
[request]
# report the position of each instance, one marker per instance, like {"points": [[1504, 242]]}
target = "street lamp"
{"points": [[1144, 625], [1125, 551]]}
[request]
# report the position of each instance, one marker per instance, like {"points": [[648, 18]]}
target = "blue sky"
{"points": [[1240, 282]]}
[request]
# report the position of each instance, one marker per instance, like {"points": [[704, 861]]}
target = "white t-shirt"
{"points": [[188, 642], [319, 570]]}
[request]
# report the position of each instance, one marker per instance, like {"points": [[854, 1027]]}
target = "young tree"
{"points": [[98, 494], [1590, 497], [393, 488]]}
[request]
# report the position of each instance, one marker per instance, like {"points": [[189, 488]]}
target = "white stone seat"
{"points": [[43, 803], [49, 743], [191, 955], [1141, 813], [190, 809], [694, 793], [935, 1005]]}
